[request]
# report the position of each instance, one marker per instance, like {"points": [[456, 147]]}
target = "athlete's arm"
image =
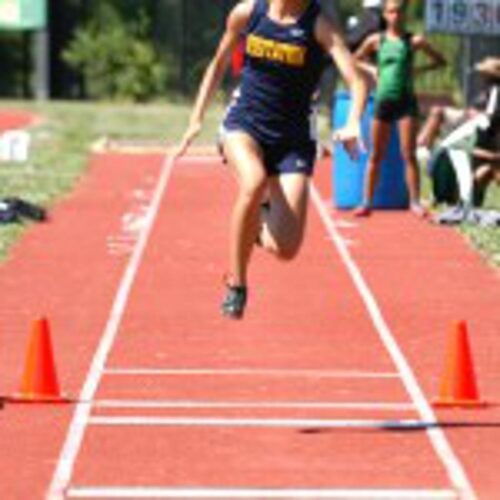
{"points": [[486, 155], [236, 22], [437, 59], [329, 37], [363, 55]]}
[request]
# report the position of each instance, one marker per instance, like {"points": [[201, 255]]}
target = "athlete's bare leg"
{"points": [[244, 155], [381, 133], [431, 128], [407, 137], [284, 223]]}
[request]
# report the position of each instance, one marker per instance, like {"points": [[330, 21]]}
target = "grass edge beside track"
{"points": [[61, 145]]}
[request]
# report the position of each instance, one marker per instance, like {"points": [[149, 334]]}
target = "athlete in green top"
{"points": [[395, 63], [395, 99]]}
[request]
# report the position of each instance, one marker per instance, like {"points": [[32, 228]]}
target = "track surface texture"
{"points": [[13, 119], [324, 390]]}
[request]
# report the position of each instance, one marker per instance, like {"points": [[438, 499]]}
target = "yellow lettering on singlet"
{"points": [[286, 53]]}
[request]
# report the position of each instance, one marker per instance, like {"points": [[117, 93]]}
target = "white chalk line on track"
{"points": [[303, 405], [66, 461], [251, 372], [260, 493], [291, 423], [437, 437], [81, 417]]}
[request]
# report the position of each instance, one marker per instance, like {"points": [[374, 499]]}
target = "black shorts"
{"points": [[392, 110], [281, 157], [289, 158]]}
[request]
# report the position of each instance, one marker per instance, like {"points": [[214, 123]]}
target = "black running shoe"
{"points": [[234, 302]]}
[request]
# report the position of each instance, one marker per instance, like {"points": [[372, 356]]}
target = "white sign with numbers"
{"points": [[467, 17]]}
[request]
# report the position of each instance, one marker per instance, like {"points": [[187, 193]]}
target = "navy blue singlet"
{"points": [[281, 72]]}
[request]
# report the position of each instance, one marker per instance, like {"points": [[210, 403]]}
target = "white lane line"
{"points": [[66, 461], [437, 437], [320, 423], [249, 372], [173, 404], [206, 160], [259, 493]]}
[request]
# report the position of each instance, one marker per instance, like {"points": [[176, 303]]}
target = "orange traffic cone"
{"points": [[39, 382], [458, 384]]}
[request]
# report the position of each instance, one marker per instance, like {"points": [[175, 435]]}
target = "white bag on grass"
{"points": [[14, 146]]}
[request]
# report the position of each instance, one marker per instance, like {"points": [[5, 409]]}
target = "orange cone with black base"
{"points": [[458, 384], [39, 382]]}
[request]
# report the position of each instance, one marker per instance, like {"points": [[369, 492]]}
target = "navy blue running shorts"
{"points": [[283, 157]]}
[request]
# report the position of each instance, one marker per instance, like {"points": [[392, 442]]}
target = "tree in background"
{"points": [[116, 56], [140, 49], [15, 59]]}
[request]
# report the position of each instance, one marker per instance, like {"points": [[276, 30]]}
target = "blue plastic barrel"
{"points": [[348, 175]]}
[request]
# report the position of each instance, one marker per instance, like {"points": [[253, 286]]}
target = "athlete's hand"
{"points": [[189, 136], [350, 137]]}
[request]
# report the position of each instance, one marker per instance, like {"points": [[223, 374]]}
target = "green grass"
{"points": [[62, 141], [444, 81], [486, 240], [61, 144]]}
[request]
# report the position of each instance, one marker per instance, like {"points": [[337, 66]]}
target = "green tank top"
{"points": [[395, 67]]}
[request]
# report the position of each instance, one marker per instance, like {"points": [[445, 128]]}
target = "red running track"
{"points": [[15, 119], [321, 392]]}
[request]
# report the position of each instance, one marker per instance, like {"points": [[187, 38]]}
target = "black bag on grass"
{"points": [[15, 209], [7, 213], [444, 179]]}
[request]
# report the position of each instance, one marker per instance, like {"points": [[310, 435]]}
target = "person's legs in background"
{"points": [[484, 175], [431, 128], [381, 133], [441, 119], [407, 136]]}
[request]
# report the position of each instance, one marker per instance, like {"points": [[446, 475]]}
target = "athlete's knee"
{"points": [[287, 249], [283, 247], [250, 192], [376, 157], [288, 253], [373, 168], [409, 157], [284, 253]]}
